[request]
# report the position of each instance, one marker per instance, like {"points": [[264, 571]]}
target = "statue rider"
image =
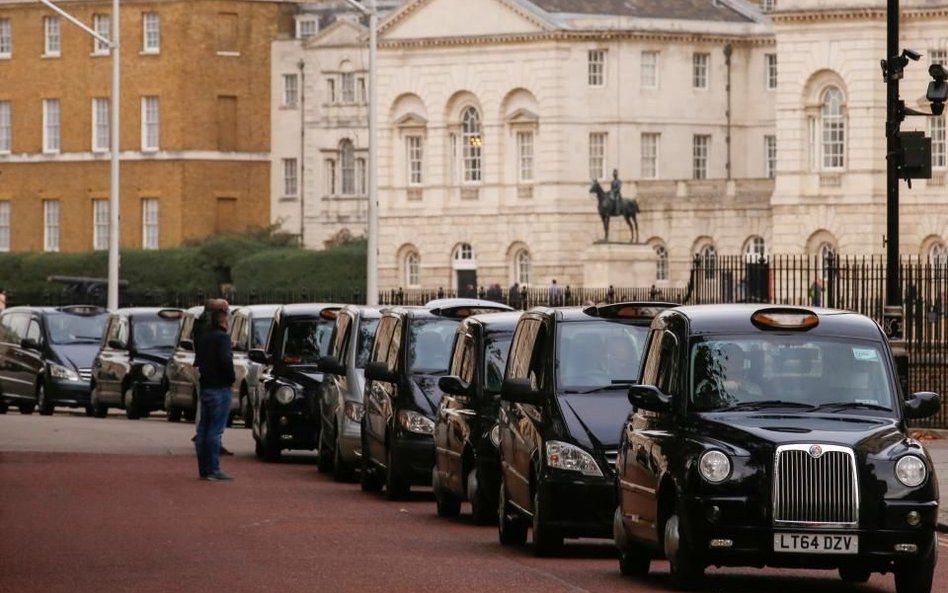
{"points": [[616, 192]]}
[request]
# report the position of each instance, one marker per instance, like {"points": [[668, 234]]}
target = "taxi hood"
{"points": [[305, 375], [595, 420]]}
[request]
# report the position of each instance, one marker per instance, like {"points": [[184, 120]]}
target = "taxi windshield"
{"points": [[305, 340], [429, 345], [496, 349], [364, 347], [596, 355], [155, 332], [68, 328], [768, 371]]}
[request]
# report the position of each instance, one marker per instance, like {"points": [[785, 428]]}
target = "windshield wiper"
{"points": [[852, 405], [759, 405], [612, 387]]}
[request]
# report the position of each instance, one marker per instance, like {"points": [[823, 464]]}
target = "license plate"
{"points": [[816, 543]]}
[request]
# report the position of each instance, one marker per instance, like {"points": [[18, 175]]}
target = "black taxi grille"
{"points": [[815, 485]]}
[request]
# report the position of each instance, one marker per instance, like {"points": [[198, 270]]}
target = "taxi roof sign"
{"points": [[785, 319], [643, 310]]}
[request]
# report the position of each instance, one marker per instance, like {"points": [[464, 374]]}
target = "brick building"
{"points": [[194, 121]]}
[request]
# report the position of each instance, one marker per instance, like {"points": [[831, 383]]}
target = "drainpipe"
{"points": [[728, 50], [302, 187]]}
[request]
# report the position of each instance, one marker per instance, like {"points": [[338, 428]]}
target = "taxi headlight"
{"points": [[415, 422], [285, 394], [495, 436], [57, 371], [714, 466], [149, 370], [911, 471], [571, 458]]}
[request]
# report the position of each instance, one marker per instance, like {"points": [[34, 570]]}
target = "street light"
{"points": [[113, 44], [372, 213]]}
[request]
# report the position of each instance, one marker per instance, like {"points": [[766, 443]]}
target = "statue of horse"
{"points": [[627, 209]]}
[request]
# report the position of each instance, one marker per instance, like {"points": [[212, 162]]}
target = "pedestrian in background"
{"points": [[202, 323], [556, 296], [3, 299], [215, 362]]}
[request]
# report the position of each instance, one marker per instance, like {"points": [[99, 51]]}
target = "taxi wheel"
{"points": [[482, 508], [90, 411], [246, 410], [546, 540], [370, 480], [42, 401], [4, 406], [634, 562], [684, 567], [326, 455], [852, 574], [511, 528], [131, 406], [447, 504], [917, 576], [174, 414], [342, 471], [268, 438], [98, 410], [396, 486], [26, 409]]}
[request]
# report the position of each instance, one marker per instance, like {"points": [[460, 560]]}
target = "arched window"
{"points": [[755, 249], [471, 144], [347, 167], [522, 267], [661, 264], [709, 260], [413, 269], [833, 129], [463, 252], [938, 256]]}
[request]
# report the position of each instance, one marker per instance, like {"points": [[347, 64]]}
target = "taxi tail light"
{"points": [[785, 319]]}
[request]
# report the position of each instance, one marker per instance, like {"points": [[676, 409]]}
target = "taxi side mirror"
{"points": [[259, 356], [922, 405], [649, 397], [117, 344], [331, 365], [378, 370], [520, 391], [187, 345], [454, 385]]}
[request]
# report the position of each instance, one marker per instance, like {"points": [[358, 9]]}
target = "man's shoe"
{"points": [[219, 477], [225, 451]]}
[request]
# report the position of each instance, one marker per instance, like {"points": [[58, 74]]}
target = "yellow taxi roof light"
{"points": [[788, 319]]}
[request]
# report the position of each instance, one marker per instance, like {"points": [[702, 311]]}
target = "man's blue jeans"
{"points": [[215, 407]]}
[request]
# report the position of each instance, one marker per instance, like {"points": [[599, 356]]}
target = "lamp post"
{"points": [[113, 43], [372, 214]]}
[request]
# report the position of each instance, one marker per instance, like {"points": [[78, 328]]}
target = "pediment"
{"points": [[421, 19], [523, 117], [411, 120], [343, 32]]}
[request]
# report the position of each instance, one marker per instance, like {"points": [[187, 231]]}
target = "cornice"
{"points": [[556, 36], [855, 14], [413, 6]]}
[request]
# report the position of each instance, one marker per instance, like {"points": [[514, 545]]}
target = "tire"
{"points": [[483, 509], [90, 411], [547, 541], [257, 449], [131, 406], [852, 574], [396, 486], [99, 410], [917, 576], [26, 409], [448, 505], [634, 559], [684, 567], [43, 404], [269, 445], [326, 455], [246, 410], [511, 528], [174, 414], [4, 406], [342, 471], [370, 480]]}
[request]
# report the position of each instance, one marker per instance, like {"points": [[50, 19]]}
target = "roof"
{"points": [[736, 318], [732, 11], [304, 309], [133, 311], [501, 321], [271, 309]]}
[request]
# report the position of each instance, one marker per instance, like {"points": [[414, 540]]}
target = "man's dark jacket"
{"points": [[213, 357]]}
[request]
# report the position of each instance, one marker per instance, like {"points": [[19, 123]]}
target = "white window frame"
{"points": [[471, 145], [4, 225], [699, 70], [51, 225], [6, 39], [290, 178], [414, 151], [306, 26], [101, 132], [661, 262], [329, 167], [151, 33], [151, 123], [755, 248], [291, 90], [362, 92], [767, 5], [523, 267], [525, 152], [700, 149], [937, 56], [413, 269], [6, 127], [331, 89], [100, 224], [597, 154], [360, 176], [770, 156], [151, 218], [101, 24], [52, 37], [770, 78], [347, 87], [51, 126], [832, 130], [936, 130], [347, 183], [649, 69], [596, 68], [651, 142]]}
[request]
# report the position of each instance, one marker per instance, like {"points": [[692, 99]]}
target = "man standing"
{"points": [[615, 190], [215, 362]]}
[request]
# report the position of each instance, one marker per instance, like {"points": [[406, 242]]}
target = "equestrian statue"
{"points": [[612, 203]]}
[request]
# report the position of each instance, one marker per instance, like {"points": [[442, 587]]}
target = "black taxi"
{"points": [[774, 436], [467, 463], [563, 401], [410, 351], [286, 409]]}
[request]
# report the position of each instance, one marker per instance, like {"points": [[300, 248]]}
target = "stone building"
{"points": [[194, 121]]}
